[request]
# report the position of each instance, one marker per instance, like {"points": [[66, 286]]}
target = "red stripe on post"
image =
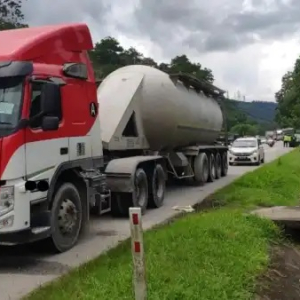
{"points": [[137, 247], [135, 219]]}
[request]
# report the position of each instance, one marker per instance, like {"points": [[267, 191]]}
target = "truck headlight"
{"points": [[7, 199], [254, 152]]}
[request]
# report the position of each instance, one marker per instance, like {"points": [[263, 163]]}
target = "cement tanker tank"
{"points": [[167, 114]]}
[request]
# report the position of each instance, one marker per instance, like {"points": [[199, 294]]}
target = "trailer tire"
{"points": [[225, 164], [157, 187], [218, 166], [66, 218], [212, 168], [201, 169], [121, 202], [140, 185]]}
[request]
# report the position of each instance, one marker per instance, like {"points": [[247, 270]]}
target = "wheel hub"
{"points": [[67, 216]]}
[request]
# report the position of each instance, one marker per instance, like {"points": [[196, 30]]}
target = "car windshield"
{"points": [[10, 101], [244, 144]]}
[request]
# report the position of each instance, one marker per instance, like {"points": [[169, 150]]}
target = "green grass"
{"points": [[278, 183], [216, 254]]}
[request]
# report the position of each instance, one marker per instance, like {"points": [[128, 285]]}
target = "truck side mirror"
{"points": [[50, 123], [50, 99]]}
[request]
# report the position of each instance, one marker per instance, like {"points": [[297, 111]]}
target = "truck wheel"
{"points": [[218, 166], [66, 218], [158, 187], [141, 193], [201, 169], [225, 164], [212, 168]]}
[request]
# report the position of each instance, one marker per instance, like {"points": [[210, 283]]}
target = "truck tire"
{"points": [[157, 187], [201, 169], [139, 198], [225, 164], [212, 168], [218, 166], [66, 218]]}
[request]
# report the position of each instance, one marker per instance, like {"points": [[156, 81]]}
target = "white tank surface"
{"points": [[168, 115]]}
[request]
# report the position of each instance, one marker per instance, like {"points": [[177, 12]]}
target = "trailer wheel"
{"points": [[225, 164], [158, 187], [121, 202], [66, 218], [218, 166], [141, 193], [201, 169], [212, 168]]}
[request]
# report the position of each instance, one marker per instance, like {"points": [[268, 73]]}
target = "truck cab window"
{"points": [[35, 108], [11, 89]]}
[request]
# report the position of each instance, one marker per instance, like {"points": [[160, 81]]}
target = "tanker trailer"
{"points": [[145, 112]]}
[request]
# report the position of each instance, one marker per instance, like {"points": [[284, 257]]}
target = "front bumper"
{"points": [[243, 159], [18, 228]]}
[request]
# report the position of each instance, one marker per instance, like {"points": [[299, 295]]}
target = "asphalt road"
{"points": [[24, 268]]}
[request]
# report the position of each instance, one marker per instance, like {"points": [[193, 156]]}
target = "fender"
{"points": [[80, 164], [120, 172]]}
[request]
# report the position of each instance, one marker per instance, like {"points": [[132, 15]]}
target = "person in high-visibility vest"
{"points": [[286, 140]]}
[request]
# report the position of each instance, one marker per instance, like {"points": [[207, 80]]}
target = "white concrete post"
{"points": [[137, 248]]}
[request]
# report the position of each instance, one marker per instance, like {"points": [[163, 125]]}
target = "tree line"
{"points": [[109, 55], [288, 98]]}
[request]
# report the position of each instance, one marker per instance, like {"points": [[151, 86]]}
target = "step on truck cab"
{"points": [[55, 166]]}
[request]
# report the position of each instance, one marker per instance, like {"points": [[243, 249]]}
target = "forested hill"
{"points": [[259, 111]]}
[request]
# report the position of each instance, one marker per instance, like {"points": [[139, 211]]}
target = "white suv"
{"points": [[246, 151]]}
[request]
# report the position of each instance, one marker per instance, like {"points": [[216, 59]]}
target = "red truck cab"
{"points": [[49, 130]]}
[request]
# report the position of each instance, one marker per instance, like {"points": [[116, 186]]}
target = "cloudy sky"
{"points": [[249, 44]]}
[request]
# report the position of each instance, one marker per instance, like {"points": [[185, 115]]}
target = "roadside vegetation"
{"points": [[213, 254]]}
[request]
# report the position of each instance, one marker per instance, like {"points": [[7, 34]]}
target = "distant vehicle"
{"points": [[295, 140], [263, 140], [271, 134], [271, 142], [246, 151]]}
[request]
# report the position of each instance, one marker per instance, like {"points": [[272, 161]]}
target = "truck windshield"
{"points": [[244, 144], [11, 89]]}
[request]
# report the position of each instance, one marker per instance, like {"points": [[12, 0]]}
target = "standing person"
{"points": [[285, 140], [289, 139]]}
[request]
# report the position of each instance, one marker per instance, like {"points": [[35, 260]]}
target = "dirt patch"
{"points": [[282, 281]]}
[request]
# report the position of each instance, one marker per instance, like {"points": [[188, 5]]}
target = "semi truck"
{"points": [[71, 147]]}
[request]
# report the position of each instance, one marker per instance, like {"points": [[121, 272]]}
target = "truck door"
{"points": [[44, 150]]}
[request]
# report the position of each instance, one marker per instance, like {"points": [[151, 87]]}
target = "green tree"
{"points": [[288, 99], [244, 129], [106, 56], [11, 15], [183, 64]]}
